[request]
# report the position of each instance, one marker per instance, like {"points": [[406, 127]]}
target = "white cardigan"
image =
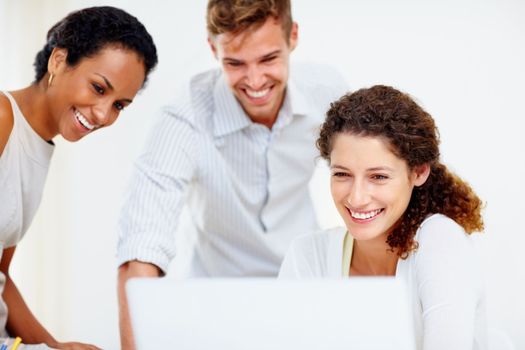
{"points": [[443, 279]]}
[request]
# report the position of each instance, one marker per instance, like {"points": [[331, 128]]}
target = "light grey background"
{"points": [[462, 60]]}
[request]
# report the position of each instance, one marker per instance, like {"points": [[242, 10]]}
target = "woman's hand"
{"points": [[22, 322], [75, 346]]}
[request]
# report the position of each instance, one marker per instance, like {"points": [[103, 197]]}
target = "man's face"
{"points": [[255, 64]]}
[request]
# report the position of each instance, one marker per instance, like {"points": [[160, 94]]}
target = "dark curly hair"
{"points": [[85, 32], [382, 111]]}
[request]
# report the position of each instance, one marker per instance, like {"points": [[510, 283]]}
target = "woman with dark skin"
{"points": [[93, 64]]}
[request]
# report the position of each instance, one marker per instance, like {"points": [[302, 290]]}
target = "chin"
{"points": [[71, 138]]}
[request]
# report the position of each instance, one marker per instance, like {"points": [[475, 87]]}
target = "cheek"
{"points": [[400, 196], [279, 72], [232, 77], [76, 93], [338, 190], [113, 119]]}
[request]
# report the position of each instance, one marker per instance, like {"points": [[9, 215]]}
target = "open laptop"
{"points": [[257, 314]]}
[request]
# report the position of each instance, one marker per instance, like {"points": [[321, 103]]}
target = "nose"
{"points": [[358, 196], [102, 112], [255, 77]]}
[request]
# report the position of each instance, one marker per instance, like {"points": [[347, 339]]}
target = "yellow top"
{"points": [[348, 245]]}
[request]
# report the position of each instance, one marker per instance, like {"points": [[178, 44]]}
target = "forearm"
{"points": [[126, 271], [21, 321]]}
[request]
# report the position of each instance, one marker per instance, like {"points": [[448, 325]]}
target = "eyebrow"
{"points": [[266, 56], [231, 59], [273, 53], [106, 80], [378, 168], [335, 166], [110, 86]]}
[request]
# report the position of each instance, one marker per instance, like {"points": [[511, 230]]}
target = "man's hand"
{"points": [[125, 272]]}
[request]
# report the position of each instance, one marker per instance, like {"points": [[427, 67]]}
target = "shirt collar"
{"points": [[297, 99], [229, 117], [294, 105]]}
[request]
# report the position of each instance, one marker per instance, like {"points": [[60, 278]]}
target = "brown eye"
{"points": [[268, 59], [99, 89], [118, 106]]}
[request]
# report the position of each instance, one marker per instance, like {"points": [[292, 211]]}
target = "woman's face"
{"points": [[370, 185], [90, 95]]}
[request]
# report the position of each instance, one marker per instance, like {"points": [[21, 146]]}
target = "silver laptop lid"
{"points": [[242, 314]]}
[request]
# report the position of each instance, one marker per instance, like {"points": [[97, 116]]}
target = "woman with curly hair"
{"points": [[406, 215], [93, 64]]}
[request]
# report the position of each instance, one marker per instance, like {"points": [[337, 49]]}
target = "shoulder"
{"points": [[204, 81], [315, 75], [441, 228], [441, 239], [201, 90], [310, 255], [447, 268], [319, 245], [193, 100], [309, 71], [6, 121], [318, 83]]}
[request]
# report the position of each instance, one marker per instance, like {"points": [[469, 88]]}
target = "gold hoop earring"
{"points": [[50, 80]]}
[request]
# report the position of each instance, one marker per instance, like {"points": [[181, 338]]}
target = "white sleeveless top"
{"points": [[24, 163]]}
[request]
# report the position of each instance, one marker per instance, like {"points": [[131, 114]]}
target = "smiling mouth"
{"points": [[365, 215], [83, 121], [257, 93]]}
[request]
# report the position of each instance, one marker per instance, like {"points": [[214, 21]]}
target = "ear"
{"points": [[294, 36], [212, 47], [57, 60], [421, 174]]}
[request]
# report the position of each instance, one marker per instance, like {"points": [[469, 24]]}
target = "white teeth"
{"points": [[257, 94], [83, 121], [367, 215]]}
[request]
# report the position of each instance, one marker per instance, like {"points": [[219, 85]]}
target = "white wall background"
{"points": [[463, 60]]}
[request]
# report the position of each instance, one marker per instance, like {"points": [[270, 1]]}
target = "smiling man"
{"points": [[238, 148]]}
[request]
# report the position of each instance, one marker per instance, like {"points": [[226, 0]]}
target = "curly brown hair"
{"points": [[235, 16], [382, 111]]}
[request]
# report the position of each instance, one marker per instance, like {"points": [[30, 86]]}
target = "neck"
{"points": [[373, 258], [271, 118], [33, 103], [267, 120]]}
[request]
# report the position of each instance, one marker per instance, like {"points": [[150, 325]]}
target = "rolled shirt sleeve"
{"points": [[156, 194]]}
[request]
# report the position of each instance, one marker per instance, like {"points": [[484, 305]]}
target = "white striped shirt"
{"points": [[246, 186]]}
